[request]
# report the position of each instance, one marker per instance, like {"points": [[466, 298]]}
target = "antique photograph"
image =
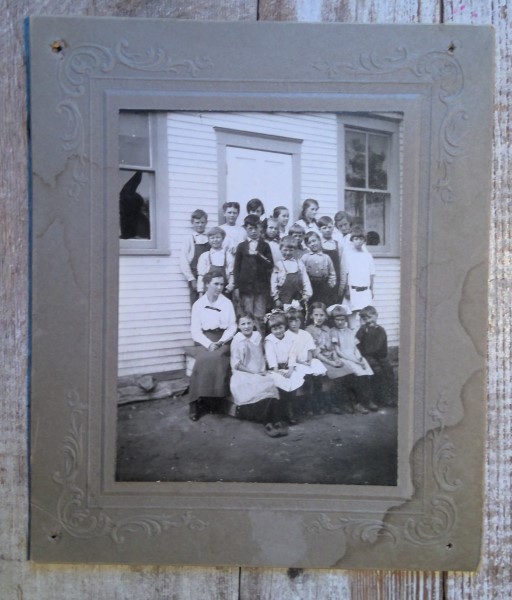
{"points": [[256, 319], [259, 296]]}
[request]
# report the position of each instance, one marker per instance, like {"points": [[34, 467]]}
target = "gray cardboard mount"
{"points": [[82, 72]]}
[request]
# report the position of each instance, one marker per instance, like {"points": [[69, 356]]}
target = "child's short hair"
{"points": [[274, 319], [199, 213], [293, 314], [323, 221], [227, 205], [278, 210], [357, 232], [245, 315], [212, 274], [340, 215], [289, 241], [311, 234], [369, 310], [306, 204], [316, 305], [254, 204], [216, 231], [296, 228], [251, 220], [266, 223]]}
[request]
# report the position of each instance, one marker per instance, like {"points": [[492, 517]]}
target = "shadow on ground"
{"points": [[157, 442]]}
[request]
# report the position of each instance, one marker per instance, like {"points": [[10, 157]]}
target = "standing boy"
{"points": [[334, 251], [253, 268], [194, 245]]}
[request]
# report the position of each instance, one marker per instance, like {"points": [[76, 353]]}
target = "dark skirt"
{"points": [[210, 375]]}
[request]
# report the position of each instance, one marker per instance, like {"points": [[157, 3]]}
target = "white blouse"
{"points": [[207, 315]]}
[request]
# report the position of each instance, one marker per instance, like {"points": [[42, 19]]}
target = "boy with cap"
{"points": [[252, 271]]}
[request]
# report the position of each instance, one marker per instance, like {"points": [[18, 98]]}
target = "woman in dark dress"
{"points": [[213, 327]]}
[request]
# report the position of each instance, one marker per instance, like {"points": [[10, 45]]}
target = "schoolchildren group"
{"points": [[283, 316]]}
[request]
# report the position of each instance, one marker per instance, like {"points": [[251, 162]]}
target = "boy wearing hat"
{"points": [[252, 271]]}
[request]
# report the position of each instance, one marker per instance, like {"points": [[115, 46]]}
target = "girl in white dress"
{"points": [[311, 368], [250, 382], [287, 378]]}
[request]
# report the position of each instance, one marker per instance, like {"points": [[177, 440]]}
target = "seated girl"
{"points": [[356, 383], [252, 387], [303, 346], [325, 349], [287, 378], [302, 352]]}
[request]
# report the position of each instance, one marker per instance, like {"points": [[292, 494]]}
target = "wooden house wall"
{"points": [[154, 315]]}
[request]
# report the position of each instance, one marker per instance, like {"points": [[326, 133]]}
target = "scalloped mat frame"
{"points": [[82, 72]]}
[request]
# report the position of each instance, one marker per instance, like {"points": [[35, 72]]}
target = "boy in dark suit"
{"points": [[252, 271]]}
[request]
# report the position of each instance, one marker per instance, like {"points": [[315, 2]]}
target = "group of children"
{"points": [[317, 274], [267, 265], [326, 367]]}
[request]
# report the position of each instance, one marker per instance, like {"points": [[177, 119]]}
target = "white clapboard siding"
{"points": [[387, 296], [154, 307]]}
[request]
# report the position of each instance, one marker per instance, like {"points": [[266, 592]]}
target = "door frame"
{"points": [[257, 141]]}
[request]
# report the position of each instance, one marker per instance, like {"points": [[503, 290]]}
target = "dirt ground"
{"points": [[156, 441]]}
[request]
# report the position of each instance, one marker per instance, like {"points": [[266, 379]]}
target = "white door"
{"points": [[259, 174]]}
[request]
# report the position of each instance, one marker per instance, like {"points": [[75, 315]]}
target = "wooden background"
{"points": [[21, 580]]}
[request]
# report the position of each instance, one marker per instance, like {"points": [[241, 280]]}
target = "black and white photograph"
{"points": [[256, 321], [259, 296]]}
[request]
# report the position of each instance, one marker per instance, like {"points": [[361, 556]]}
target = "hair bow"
{"points": [[329, 309], [295, 305]]}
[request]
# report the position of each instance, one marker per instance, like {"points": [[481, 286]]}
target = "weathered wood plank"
{"points": [[25, 581], [350, 11], [494, 577], [20, 579], [312, 584]]}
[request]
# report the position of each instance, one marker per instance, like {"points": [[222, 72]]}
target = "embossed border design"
{"points": [[443, 70], [435, 524], [64, 496], [76, 517], [82, 62]]}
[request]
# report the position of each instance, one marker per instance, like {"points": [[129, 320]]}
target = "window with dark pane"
{"points": [[136, 176]]}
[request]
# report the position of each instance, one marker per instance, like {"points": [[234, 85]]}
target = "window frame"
{"points": [[379, 125], [159, 242]]}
